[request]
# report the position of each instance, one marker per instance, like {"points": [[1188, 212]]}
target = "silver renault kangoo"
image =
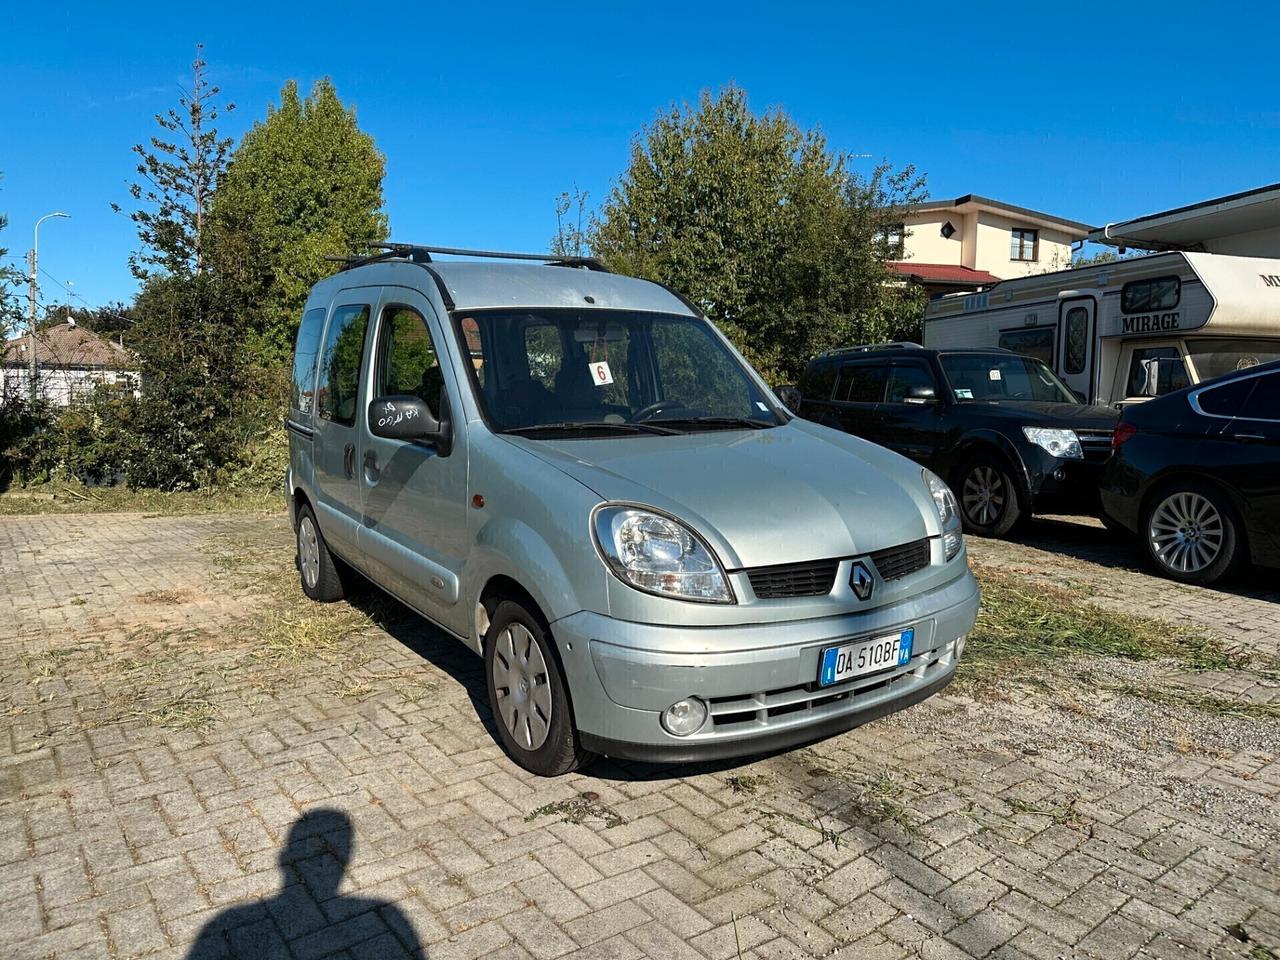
{"points": [[575, 474]]}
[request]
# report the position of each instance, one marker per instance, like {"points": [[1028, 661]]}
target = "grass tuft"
{"points": [[583, 807], [1023, 625]]}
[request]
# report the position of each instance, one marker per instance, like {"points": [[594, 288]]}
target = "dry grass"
{"points": [[77, 498]]}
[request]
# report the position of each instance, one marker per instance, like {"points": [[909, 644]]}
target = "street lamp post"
{"points": [[34, 262]]}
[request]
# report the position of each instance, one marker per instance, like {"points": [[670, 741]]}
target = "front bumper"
{"points": [[759, 680], [1064, 486]]}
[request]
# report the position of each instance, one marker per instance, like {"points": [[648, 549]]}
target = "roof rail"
{"points": [[419, 253], [869, 347]]}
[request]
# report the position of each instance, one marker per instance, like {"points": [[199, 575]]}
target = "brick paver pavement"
{"points": [[167, 767]]}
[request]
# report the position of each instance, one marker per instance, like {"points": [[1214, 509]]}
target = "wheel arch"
{"points": [[989, 442]]}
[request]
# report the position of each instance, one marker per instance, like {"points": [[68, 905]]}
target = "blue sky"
{"points": [[486, 111]]}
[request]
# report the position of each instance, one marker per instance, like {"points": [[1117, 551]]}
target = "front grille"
{"points": [[894, 563], [812, 579], [1095, 444]]}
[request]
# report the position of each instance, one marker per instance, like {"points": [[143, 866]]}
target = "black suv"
{"points": [[1001, 428]]}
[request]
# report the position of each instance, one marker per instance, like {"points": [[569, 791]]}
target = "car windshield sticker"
{"points": [[762, 407], [600, 374], [964, 393], [994, 374]]}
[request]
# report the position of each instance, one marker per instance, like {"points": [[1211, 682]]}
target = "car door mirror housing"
{"points": [[921, 394], [409, 418], [790, 397]]}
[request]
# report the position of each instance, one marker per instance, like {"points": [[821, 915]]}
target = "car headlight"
{"points": [[944, 501], [659, 555], [1060, 443]]}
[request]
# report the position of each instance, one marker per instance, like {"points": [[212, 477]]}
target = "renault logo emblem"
{"points": [[861, 580]]}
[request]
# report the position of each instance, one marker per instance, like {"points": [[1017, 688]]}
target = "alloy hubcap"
{"points": [[523, 689], [309, 552], [983, 495], [1186, 532]]}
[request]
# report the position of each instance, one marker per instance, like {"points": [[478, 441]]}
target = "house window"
{"points": [[890, 240], [1024, 245]]}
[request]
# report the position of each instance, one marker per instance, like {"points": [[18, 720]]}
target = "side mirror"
{"points": [[409, 418], [920, 394], [790, 397]]}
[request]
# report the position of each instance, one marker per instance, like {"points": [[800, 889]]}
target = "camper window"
{"points": [[1145, 296], [1034, 342], [1077, 340], [1214, 357], [1155, 371]]}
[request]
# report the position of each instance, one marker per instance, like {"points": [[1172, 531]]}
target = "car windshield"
{"points": [[985, 376], [1218, 357], [555, 372]]}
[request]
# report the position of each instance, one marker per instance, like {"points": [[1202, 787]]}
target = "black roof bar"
{"points": [[419, 253]]}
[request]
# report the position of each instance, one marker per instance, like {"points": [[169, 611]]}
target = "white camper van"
{"points": [[1129, 330]]}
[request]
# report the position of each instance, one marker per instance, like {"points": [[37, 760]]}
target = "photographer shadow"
{"points": [[308, 917]]}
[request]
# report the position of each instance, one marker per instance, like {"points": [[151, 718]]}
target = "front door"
{"points": [[1076, 344], [414, 520], [337, 439], [909, 423]]}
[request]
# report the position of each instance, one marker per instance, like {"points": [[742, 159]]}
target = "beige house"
{"points": [[971, 242]]}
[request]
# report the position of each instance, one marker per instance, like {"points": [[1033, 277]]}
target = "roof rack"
{"points": [[418, 253], [869, 347]]}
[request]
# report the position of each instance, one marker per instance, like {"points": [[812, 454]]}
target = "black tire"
{"points": [[318, 569], [1191, 532], [518, 648], [988, 495]]}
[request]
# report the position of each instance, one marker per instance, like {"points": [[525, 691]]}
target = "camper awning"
{"points": [[1197, 226]]}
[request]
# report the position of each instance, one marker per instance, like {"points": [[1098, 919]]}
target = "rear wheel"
{"points": [[1190, 532], [988, 497], [317, 567], [528, 696]]}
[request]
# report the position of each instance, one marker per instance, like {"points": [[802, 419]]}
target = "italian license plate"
{"points": [[866, 656]]}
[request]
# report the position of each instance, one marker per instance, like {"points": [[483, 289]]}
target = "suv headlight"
{"points": [[1060, 443], [944, 501], [659, 554]]}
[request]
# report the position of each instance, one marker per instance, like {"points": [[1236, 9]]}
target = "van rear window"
{"points": [[1146, 296], [304, 360]]}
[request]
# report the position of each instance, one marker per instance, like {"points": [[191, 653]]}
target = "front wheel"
{"points": [[1190, 533], [318, 568], [527, 694], [988, 498]]}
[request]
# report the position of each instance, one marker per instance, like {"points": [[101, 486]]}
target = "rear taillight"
{"points": [[1124, 432]]}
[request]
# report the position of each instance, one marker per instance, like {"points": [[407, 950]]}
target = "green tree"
{"points": [[763, 226], [304, 185], [10, 279], [187, 425], [179, 171]]}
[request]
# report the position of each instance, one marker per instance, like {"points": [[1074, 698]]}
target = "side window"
{"points": [[817, 383], [902, 377], [1264, 402], [1032, 342], [1144, 296], [1155, 371], [861, 383], [1228, 400], [302, 396], [340, 364], [407, 361], [1077, 340]]}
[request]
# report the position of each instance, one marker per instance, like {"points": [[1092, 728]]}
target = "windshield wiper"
{"points": [[590, 426], [750, 422]]}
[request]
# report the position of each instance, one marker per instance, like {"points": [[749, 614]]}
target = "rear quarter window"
{"points": [[1226, 400], [818, 382], [302, 395]]}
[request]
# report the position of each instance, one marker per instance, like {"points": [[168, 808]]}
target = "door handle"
{"points": [[1247, 436], [349, 460]]}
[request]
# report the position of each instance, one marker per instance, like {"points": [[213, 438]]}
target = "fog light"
{"points": [[684, 717], [1059, 474]]}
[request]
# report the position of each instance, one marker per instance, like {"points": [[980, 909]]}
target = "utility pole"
{"points": [[33, 262]]}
